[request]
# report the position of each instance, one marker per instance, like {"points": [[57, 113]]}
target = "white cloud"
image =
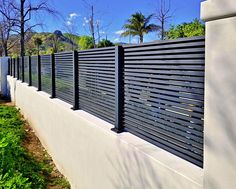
{"points": [[68, 23], [72, 16], [119, 32]]}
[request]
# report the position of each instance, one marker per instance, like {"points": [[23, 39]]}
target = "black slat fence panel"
{"points": [[164, 93], [46, 73], [97, 82], [26, 69], [34, 70], [64, 76]]}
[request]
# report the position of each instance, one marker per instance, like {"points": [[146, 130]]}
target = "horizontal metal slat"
{"points": [[100, 103], [97, 114], [164, 113], [88, 94], [195, 160], [170, 136], [183, 41], [96, 71], [175, 56], [101, 88], [164, 77], [172, 100], [169, 67], [108, 76], [167, 51], [97, 109], [167, 143], [81, 53], [171, 88], [167, 82], [167, 72], [197, 140], [152, 114], [157, 90], [171, 107], [97, 80], [97, 92]]}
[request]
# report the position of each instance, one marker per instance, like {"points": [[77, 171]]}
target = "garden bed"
{"points": [[24, 163]]}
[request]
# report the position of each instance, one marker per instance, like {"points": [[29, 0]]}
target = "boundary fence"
{"points": [[153, 90]]}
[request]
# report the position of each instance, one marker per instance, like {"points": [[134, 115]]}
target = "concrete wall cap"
{"points": [[217, 9]]}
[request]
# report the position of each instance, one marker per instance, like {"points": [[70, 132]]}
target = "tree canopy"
{"points": [[85, 42], [105, 43], [139, 25], [195, 28]]}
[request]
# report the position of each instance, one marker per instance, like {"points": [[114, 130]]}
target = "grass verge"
{"points": [[21, 166]]}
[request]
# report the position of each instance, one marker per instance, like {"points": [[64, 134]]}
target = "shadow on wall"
{"points": [[128, 161], [135, 170], [220, 134]]}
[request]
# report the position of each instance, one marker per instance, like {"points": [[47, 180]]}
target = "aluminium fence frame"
{"points": [[153, 90]]}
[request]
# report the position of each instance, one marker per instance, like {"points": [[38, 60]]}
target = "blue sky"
{"points": [[112, 14]]}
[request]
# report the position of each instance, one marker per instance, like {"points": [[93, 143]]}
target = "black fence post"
{"points": [[23, 69], [11, 73], [10, 63], [8, 66], [53, 95], [119, 89], [39, 73], [30, 72], [14, 68], [18, 68], [75, 81]]}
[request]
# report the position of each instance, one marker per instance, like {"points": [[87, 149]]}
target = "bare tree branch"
{"points": [[163, 14], [22, 14]]}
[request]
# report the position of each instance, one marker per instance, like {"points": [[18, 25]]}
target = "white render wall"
{"points": [[92, 156], [220, 94]]}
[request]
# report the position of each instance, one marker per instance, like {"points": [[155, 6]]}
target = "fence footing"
{"points": [[117, 130]]}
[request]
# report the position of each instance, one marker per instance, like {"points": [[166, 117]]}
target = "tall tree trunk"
{"points": [[5, 50], [38, 49], [162, 30], [22, 29], [141, 38]]}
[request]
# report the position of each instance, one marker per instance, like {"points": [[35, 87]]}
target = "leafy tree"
{"points": [[73, 40], [85, 42], [195, 28], [138, 25], [54, 43], [38, 42], [105, 43]]}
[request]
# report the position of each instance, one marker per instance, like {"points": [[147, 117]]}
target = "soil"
{"points": [[35, 148]]}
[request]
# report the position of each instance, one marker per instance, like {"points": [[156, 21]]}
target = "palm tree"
{"points": [[138, 25], [38, 42]]}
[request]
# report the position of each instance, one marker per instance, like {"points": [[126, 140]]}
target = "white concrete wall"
{"points": [[220, 94], [3, 75], [91, 156]]}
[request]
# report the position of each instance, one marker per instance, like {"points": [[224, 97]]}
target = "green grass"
{"points": [[19, 169]]}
